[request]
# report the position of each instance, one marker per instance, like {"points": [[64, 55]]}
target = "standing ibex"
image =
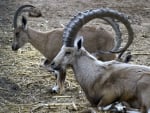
{"points": [[104, 82], [49, 43]]}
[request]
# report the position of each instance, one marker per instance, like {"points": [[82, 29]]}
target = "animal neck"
{"points": [[37, 39], [85, 67]]}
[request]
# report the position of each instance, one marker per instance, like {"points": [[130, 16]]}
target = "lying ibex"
{"points": [[49, 43], [104, 82]]}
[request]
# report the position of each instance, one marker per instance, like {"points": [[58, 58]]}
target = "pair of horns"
{"points": [[82, 18]]}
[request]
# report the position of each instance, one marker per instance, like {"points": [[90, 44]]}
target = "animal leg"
{"points": [[107, 102], [60, 79], [114, 108]]}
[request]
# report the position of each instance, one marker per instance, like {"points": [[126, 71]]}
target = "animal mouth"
{"points": [[15, 47], [55, 67]]}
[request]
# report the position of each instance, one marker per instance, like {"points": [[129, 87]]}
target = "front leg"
{"points": [[113, 107], [60, 79]]}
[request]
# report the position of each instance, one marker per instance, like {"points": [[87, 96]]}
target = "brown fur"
{"points": [[49, 43], [107, 82]]}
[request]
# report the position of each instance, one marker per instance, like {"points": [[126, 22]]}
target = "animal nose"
{"points": [[46, 62], [55, 66], [15, 47]]}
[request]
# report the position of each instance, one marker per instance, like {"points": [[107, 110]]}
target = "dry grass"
{"points": [[25, 84]]}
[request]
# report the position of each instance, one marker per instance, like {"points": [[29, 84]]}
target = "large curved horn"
{"points": [[82, 18], [118, 33], [18, 12]]}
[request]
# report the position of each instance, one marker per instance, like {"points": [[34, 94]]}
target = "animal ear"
{"points": [[79, 42], [24, 21]]}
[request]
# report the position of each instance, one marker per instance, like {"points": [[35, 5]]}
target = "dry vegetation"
{"points": [[25, 84]]}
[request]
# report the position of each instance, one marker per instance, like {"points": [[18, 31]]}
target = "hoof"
{"points": [[118, 108], [55, 90]]}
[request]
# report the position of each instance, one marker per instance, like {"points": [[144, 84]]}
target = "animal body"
{"points": [[103, 82], [49, 43], [106, 82]]}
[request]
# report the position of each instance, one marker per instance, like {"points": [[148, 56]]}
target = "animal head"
{"points": [[71, 46], [21, 35], [67, 55]]}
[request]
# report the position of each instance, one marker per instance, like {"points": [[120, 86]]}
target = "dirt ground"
{"points": [[25, 84]]}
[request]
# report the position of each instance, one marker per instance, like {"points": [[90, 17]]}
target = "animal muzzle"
{"points": [[55, 66], [15, 47]]}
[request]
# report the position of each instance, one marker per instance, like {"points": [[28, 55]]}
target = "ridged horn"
{"points": [[18, 12], [118, 33], [82, 18]]}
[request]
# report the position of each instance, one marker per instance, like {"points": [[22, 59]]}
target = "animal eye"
{"points": [[68, 53]]}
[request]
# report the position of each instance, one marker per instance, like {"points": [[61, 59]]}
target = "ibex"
{"points": [[104, 82], [49, 43]]}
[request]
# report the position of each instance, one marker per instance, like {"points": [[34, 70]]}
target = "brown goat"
{"points": [[104, 82], [49, 43], [107, 82]]}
